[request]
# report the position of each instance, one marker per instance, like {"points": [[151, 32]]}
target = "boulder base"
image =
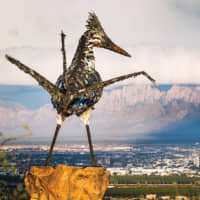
{"points": [[66, 183]]}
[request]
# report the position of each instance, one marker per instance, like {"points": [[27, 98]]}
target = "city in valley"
{"points": [[119, 159]]}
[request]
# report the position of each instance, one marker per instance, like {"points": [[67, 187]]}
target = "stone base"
{"points": [[66, 183]]}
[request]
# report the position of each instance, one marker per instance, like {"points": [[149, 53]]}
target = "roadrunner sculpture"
{"points": [[80, 87]]}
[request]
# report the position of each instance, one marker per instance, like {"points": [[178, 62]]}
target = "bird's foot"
{"points": [[93, 165], [96, 165]]}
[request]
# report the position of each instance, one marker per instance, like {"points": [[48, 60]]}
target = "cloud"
{"points": [[38, 23], [162, 37], [189, 8], [166, 65]]}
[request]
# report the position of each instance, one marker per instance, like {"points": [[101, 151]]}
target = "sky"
{"points": [[161, 35]]}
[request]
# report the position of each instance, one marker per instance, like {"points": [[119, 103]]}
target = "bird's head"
{"points": [[99, 38]]}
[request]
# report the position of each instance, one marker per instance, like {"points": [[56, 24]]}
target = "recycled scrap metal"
{"points": [[80, 87]]}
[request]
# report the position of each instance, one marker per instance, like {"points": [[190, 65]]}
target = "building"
{"points": [[107, 161], [151, 196], [196, 161]]}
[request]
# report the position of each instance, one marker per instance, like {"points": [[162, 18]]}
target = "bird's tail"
{"points": [[42, 81]]}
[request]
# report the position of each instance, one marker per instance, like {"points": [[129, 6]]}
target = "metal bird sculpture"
{"points": [[80, 86]]}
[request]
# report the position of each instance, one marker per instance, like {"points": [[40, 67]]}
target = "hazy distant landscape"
{"points": [[136, 113], [136, 170]]}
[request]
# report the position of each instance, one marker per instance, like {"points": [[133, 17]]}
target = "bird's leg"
{"points": [[90, 145], [59, 124], [52, 145], [84, 117]]}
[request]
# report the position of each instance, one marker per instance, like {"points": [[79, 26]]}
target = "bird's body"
{"points": [[80, 74], [80, 86]]}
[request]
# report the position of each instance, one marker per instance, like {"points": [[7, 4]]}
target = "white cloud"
{"points": [[162, 36], [166, 65], [38, 23]]}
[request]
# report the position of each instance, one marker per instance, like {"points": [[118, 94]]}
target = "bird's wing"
{"points": [[103, 84], [123, 77], [46, 84]]}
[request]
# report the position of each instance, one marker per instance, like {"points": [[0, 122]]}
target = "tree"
{"points": [[15, 190]]}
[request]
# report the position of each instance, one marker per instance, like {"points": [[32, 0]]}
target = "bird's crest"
{"points": [[93, 23]]}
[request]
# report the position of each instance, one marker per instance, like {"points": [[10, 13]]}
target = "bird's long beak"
{"points": [[113, 47]]}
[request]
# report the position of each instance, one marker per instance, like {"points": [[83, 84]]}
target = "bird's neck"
{"points": [[84, 56]]}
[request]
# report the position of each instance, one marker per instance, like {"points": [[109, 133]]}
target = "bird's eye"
{"points": [[96, 36]]}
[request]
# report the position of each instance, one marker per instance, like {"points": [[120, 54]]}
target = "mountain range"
{"points": [[133, 113]]}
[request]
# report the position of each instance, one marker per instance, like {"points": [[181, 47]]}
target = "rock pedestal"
{"points": [[66, 183]]}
